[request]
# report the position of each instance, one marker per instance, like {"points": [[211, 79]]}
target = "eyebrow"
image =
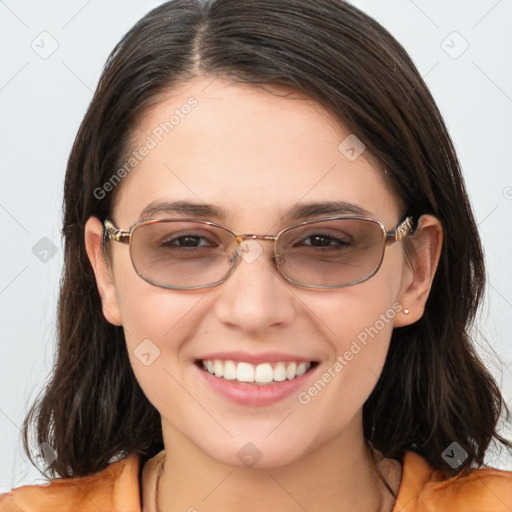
{"points": [[298, 212], [308, 210], [181, 208]]}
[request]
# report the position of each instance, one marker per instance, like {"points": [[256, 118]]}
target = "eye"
{"points": [[188, 241], [324, 240]]}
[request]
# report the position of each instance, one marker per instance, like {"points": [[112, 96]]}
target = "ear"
{"points": [[104, 279], [418, 274]]}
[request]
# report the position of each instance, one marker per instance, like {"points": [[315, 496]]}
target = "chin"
{"points": [[258, 451]]}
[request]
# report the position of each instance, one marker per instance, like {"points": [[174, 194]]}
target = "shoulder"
{"points": [[114, 488], [423, 488]]}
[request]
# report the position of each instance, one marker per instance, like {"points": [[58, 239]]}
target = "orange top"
{"points": [[117, 489]]}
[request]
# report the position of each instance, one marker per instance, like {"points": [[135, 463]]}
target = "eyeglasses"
{"points": [[332, 252]]}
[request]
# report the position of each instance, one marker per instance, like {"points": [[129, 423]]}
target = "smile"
{"points": [[260, 374]]}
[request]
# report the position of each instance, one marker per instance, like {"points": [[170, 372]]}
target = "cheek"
{"points": [[156, 321], [357, 322], [158, 324], [160, 315], [147, 311], [344, 383], [360, 341], [363, 311]]}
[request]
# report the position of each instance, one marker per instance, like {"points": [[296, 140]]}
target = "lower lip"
{"points": [[252, 394]]}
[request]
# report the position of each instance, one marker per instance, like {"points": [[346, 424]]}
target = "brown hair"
{"points": [[433, 389]]}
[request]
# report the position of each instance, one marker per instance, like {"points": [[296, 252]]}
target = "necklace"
{"points": [[371, 450], [159, 476]]}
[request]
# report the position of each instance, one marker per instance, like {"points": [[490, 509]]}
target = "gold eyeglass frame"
{"points": [[400, 231]]}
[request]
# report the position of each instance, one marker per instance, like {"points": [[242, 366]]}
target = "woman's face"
{"points": [[255, 156]]}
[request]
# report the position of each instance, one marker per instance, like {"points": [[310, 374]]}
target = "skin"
{"points": [[256, 154]]}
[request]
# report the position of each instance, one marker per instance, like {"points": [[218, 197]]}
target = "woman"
{"points": [[271, 268]]}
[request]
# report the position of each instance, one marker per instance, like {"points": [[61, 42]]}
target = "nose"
{"points": [[255, 297]]}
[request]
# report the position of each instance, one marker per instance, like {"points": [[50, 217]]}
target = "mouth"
{"points": [[262, 374]]}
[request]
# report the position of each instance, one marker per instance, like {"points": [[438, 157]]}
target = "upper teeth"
{"points": [[262, 373]]}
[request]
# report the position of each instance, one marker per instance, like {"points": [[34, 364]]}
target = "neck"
{"points": [[340, 475]]}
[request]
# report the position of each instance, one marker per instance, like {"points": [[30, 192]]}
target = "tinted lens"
{"points": [[331, 253], [181, 254]]}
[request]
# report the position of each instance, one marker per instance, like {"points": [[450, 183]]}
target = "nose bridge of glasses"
{"points": [[241, 238]]}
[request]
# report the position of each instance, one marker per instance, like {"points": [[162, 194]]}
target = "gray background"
{"points": [[43, 98]]}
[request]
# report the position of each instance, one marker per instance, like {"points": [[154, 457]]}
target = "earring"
{"points": [[406, 311]]}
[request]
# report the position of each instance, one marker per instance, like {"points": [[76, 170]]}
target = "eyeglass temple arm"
{"points": [[116, 234], [401, 231]]}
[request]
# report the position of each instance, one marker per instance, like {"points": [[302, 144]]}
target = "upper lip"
{"points": [[263, 357]]}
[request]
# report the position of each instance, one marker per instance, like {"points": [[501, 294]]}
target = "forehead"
{"points": [[252, 152]]}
